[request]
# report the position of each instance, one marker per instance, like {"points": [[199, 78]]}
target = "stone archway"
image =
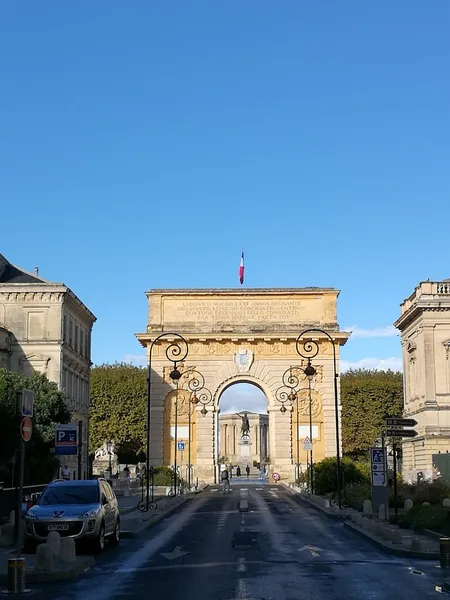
{"points": [[244, 336]]}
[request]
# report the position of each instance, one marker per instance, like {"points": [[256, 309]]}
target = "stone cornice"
{"points": [[40, 293], [340, 337], [415, 312], [243, 291]]}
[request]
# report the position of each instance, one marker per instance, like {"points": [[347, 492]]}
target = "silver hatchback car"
{"points": [[83, 510]]}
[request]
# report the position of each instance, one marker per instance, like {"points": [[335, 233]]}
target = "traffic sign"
{"points": [[66, 439], [26, 429], [276, 477], [401, 433], [180, 446], [27, 400], [307, 444], [400, 422]]}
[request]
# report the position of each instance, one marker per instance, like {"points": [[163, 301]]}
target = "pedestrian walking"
{"points": [[238, 471], [247, 470]]}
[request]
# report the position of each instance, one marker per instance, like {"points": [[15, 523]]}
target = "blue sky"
{"points": [[143, 144]]}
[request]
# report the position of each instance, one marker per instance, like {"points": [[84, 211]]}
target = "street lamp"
{"points": [[109, 450], [199, 394], [176, 352], [310, 372], [309, 349], [288, 393]]}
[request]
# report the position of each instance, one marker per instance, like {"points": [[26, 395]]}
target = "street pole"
{"points": [[310, 350], [18, 526], [80, 449], [298, 442], [176, 441], [175, 354], [189, 449], [311, 436], [394, 451]]}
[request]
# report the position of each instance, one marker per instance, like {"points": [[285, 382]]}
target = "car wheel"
{"points": [[115, 538], [99, 542]]}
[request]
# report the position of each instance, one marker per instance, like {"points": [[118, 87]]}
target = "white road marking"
{"points": [[312, 549], [212, 490], [119, 578], [241, 589], [259, 489]]}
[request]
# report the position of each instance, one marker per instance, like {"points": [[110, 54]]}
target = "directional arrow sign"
{"points": [[401, 433], [176, 553], [313, 549], [399, 422]]}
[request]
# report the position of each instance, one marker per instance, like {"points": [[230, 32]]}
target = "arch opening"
{"points": [[243, 426]]}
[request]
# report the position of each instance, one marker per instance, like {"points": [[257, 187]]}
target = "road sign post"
{"points": [[307, 444], [378, 477], [394, 433], [400, 422], [25, 402]]}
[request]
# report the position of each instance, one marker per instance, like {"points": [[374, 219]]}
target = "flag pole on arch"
{"points": [[241, 269]]}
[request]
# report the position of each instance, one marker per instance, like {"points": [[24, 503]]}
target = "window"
{"points": [[182, 432], [303, 431], [76, 338], [70, 333], [82, 342], [69, 494], [65, 329]]}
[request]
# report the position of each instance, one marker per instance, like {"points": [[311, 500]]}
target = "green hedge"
{"points": [[436, 518], [353, 473]]}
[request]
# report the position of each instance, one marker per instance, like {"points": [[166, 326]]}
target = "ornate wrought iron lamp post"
{"points": [[288, 394], [308, 349], [176, 352], [199, 394]]}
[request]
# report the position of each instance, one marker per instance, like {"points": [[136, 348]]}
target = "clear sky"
{"points": [[144, 144]]}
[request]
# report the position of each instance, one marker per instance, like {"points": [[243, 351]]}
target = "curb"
{"points": [[390, 549], [324, 511], [85, 563]]}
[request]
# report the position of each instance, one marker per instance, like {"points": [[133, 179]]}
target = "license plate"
{"points": [[58, 527]]}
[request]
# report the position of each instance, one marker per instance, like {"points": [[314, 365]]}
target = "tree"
{"points": [[367, 398], [118, 408], [49, 409]]}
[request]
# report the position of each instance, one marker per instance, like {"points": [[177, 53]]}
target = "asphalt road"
{"points": [[289, 552]]}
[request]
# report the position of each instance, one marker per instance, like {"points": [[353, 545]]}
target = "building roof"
{"points": [[12, 275]]}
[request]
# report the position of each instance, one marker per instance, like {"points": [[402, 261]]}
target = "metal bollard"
{"points": [[16, 576], [444, 550]]}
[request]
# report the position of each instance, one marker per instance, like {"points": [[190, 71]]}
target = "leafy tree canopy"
{"points": [[367, 398], [118, 408], [49, 409]]}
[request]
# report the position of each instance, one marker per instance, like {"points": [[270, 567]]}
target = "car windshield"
{"points": [[87, 494]]}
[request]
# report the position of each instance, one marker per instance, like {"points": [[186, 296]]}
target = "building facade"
{"points": [[425, 336], [45, 328], [242, 450]]}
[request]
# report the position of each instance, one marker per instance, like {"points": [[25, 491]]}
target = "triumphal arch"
{"points": [[240, 335]]}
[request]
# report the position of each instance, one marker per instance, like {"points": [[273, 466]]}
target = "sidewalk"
{"points": [[389, 537]]}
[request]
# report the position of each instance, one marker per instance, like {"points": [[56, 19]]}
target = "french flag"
{"points": [[241, 269]]}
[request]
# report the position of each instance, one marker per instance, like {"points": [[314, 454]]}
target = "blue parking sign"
{"points": [[66, 439], [180, 445]]}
